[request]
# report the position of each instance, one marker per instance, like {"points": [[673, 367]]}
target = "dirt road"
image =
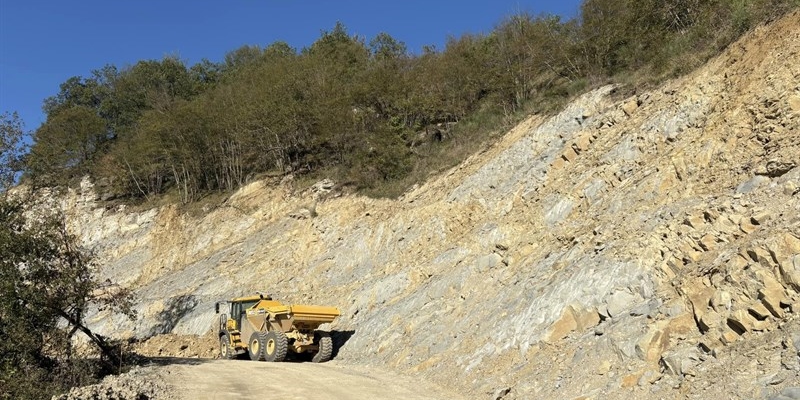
{"points": [[221, 379]]}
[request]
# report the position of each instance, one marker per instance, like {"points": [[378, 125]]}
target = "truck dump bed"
{"points": [[319, 314]]}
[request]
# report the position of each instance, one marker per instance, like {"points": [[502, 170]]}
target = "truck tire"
{"points": [[256, 346], [275, 346], [226, 352], [325, 348]]}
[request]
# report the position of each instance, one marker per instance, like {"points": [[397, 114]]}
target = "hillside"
{"points": [[642, 247]]}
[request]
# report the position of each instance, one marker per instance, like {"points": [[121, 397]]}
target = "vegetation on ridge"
{"points": [[367, 113]]}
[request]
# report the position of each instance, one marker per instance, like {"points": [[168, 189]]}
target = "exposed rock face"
{"points": [[648, 248]]}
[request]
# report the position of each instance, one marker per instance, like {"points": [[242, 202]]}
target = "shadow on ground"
{"points": [[339, 339], [164, 361]]}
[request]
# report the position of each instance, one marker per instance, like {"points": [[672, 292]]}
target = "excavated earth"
{"points": [[645, 247]]}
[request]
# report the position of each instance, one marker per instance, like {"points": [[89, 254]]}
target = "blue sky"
{"points": [[42, 43]]}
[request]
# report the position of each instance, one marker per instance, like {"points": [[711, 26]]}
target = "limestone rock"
{"points": [[574, 317], [501, 393], [790, 188], [761, 255], [649, 377], [721, 301], [681, 361], [772, 295], [791, 393], [708, 242], [140, 383], [653, 343], [760, 216], [562, 326], [630, 107], [794, 103], [621, 302], [604, 367], [558, 163], [741, 321], [649, 308], [569, 155], [795, 338], [785, 251], [695, 221], [631, 380], [488, 262], [323, 187], [759, 311], [699, 297], [753, 184], [729, 336], [582, 143], [682, 326], [747, 226], [776, 168], [672, 308], [710, 321], [585, 317]]}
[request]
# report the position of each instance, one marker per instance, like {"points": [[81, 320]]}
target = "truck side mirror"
{"points": [[216, 308]]}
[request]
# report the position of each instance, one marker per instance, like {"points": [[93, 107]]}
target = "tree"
{"points": [[206, 74], [385, 86], [84, 92], [11, 149], [46, 290], [47, 287], [66, 144], [242, 57], [449, 85]]}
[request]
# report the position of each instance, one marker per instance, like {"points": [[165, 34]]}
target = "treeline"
{"points": [[365, 112]]}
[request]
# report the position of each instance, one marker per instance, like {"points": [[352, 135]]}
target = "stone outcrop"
{"points": [[647, 247]]}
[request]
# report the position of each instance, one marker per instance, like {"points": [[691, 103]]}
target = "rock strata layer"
{"points": [[647, 247]]}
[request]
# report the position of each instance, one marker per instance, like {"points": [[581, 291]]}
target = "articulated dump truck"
{"points": [[267, 330]]}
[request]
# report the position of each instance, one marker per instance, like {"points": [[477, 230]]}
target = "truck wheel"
{"points": [[255, 347], [275, 346], [225, 350], [325, 348]]}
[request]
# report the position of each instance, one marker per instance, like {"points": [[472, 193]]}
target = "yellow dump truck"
{"points": [[268, 330]]}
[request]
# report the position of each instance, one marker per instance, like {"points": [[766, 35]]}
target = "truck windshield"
{"points": [[248, 304], [238, 309]]}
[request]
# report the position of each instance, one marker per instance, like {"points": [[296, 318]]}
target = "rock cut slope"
{"points": [[647, 247]]}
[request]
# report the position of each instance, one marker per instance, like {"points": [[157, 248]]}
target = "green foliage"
{"points": [[528, 55], [243, 57], [364, 112], [46, 289], [11, 149], [67, 143], [665, 37]]}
